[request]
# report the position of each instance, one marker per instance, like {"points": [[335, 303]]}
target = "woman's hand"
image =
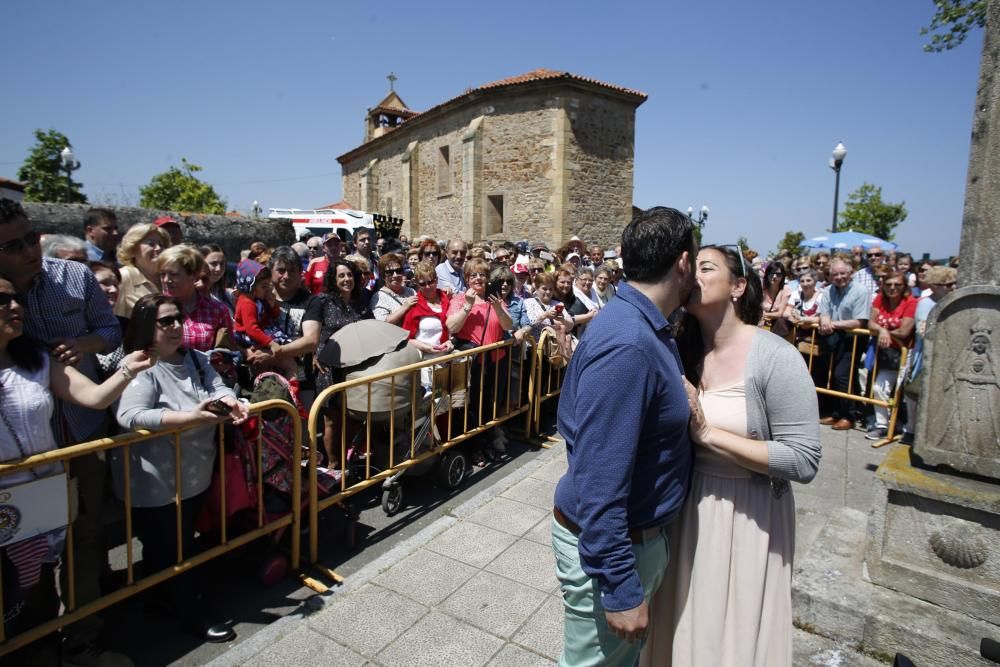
{"points": [[239, 413], [470, 297], [884, 339], [497, 303], [698, 426], [200, 414], [139, 361], [445, 347], [408, 302]]}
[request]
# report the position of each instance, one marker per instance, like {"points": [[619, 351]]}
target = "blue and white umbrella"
{"points": [[846, 240]]}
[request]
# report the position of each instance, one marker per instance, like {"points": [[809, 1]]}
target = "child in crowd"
{"points": [[257, 308]]}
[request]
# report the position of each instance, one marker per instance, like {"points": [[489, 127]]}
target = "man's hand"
{"points": [[630, 625], [825, 325], [68, 351]]}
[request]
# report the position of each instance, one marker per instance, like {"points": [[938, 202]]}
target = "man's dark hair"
{"points": [[95, 216], [358, 231], [11, 211], [285, 255], [653, 241], [142, 325]]}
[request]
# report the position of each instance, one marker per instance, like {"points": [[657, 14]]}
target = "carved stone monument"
{"points": [[934, 533]]}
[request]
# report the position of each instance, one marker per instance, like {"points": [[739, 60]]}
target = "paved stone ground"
{"points": [[478, 586]]}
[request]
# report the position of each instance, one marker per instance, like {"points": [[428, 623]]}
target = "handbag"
{"points": [[888, 358]]}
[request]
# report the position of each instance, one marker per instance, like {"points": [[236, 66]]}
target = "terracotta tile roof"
{"points": [[543, 73], [342, 204], [540, 74], [405, 113], [11, 184]]}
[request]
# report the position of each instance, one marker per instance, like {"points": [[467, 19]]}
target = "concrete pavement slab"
{"points": [[508, 515], [528, 563], [368, 619], [515, 656], [541, 533], [438, 640], [304, 647], [494, 604], [425, 576], [543, 632], [531, 491], [552, 471], [471, 543]]}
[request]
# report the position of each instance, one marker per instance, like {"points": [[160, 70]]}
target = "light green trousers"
{"points": [[587, 640]]}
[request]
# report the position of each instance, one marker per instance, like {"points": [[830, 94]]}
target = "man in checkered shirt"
{"points": [[65, 309]]}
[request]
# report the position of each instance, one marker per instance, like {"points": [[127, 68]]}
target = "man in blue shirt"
{"points": [[847, 305], [630, 456], [100, 230], [450, 272]]}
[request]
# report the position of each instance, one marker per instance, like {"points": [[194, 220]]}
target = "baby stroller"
{"points": [[277, 459], [386, 412]]}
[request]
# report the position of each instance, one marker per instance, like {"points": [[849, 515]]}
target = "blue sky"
{"points": [[746, 100]]}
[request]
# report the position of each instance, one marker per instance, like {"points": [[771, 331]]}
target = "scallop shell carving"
{"points": [[959, 547]]}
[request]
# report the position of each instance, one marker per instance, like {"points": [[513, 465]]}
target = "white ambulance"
{"points": [[319, 222]]}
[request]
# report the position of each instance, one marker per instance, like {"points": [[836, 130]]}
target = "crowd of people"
{"points": [[114, 332], [111, 332], [883, 291]]}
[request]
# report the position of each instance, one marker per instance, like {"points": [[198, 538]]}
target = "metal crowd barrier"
{"points": [[450, 419], [226, 544], [548, 379], [807, 338]]}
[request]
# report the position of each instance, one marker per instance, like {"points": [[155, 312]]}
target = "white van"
{"points": [[319, 222]]}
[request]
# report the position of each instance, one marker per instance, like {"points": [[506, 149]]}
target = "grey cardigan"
{"points": [[782, 409]]}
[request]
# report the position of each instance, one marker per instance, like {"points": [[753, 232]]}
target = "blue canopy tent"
{"points": [[846, 241]]}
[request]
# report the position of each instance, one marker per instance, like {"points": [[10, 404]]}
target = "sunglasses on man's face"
{"points": [[874, 254], [170, 320], [14, 246], [6, 298]]}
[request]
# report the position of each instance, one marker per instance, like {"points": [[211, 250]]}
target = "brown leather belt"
{"points": [[636, 535]]}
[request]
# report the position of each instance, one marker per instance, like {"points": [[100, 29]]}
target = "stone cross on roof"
{"points": [[392, 80]]}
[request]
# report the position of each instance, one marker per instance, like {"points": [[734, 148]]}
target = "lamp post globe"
{"points": [[839, 153]]}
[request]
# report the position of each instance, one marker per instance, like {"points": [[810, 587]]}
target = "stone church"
{"points": [[544, 156]]}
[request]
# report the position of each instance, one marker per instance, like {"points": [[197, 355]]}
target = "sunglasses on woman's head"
{"points": [[170, 320], [739, 251], [29, 240]]}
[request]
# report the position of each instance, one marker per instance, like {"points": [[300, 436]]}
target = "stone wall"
{"points": [[560, 156], [600, 163], [232, 234]]}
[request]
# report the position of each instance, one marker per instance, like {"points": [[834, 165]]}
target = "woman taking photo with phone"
{"points": [[182, 390]]}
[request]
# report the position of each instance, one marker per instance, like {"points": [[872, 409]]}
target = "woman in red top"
{"points": [[427, 320], [892, 323], [207, 323], [475, 320]]}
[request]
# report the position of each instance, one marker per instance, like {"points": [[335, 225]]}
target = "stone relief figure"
{"points": [[973, 385]]}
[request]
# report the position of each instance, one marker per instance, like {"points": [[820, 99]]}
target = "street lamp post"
{"points": [[702, 216], [70, 164], [839, 153]]}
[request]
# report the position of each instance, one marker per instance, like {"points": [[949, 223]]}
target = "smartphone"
{"points": [[493, 288], [547, 256], [219, 407], [559, 309]]}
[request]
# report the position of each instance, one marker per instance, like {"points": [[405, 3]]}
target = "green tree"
{"points": [[865, 212], [791, 242], [180, 190], [42, 171], [952, 22]]}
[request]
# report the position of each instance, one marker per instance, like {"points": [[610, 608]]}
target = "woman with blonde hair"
{"points": [[207, 321], [137, 253]]}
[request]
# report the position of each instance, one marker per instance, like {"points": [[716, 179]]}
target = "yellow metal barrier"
{"points": [[449, 422], [124, 443], [548, 386], [808, 340]]}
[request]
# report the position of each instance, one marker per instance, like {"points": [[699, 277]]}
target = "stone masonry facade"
{"points": [[543, 156]]}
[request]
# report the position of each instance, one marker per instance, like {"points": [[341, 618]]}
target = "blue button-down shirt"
{"points": [[450, 277], [95, 254], [65, 301], [624, 414]]}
